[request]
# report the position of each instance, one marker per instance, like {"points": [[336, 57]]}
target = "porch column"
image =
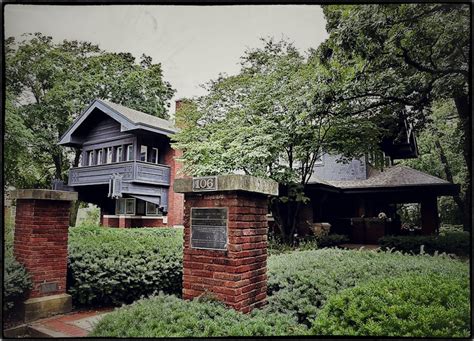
{"points": [[429, 216]]}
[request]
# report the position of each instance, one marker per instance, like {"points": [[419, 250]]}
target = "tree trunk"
{"points": [[462, 106]]}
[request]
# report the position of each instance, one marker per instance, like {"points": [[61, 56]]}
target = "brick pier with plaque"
{"points": [[225, 238], [41, 235]]}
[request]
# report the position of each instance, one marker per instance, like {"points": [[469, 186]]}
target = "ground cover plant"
{"points": [[453, 242], [169, 316], [300, 283], [428, 305], [16, 280], [113, 266]]}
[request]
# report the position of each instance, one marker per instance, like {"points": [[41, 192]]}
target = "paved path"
{"points": [[75, 324]]}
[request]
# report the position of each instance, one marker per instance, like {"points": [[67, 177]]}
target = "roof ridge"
{"points": [[420, 172], [138, 111]]}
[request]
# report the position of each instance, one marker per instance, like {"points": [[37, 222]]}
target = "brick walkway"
{"points": [[75, 324]]}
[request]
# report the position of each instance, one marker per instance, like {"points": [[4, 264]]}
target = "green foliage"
{"points": [[273, 119], [92, 217], [169, 316], [332, 240], [49, 84], [299, 283], [16, 282], [113, 266], [440, 148], [457, 243], [410, 306], [409, 62]]}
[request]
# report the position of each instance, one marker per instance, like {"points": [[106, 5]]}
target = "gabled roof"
{"points": [[396, 176], [129, 119]]}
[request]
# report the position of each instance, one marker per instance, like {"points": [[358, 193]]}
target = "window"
{"points": [[140, 207], [90, 158], [129, 155], [143, 153], [99, 157], [81, 160], [118, 154], [152, 209], [108, 156], [130, 206], [125, 206], [120, 206], [154, 155]]}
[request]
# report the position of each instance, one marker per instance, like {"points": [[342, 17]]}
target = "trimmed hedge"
{"points": [[332, 240], [169, 316], [299, 283], [457, 243], [16, 282], [112, 266], [410, 306]]}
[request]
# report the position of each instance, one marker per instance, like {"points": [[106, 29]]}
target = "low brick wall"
{"points": [[127, 222]]}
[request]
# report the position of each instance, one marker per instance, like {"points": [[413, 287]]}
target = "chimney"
{"points": [[179, 103]]}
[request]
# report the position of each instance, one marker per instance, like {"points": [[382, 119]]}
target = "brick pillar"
{"points": [[122, 221], [236, 272], [41, 236], [175, 200]]}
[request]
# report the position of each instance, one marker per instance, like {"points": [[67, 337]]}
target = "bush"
{"points": [[112, 266], [457, 243], [410, 306], [169, 316], [332, 240], [299, 283], [15, 284]]}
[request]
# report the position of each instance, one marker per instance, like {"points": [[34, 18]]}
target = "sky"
{"points": [[193, 43]]}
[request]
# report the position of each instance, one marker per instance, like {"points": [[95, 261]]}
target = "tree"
{"points": [[50, 83], [273, 119], [404, 56], [440, 149]]}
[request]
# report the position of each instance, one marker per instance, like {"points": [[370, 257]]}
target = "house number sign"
{"points": [[205, 183], [209, 228]]}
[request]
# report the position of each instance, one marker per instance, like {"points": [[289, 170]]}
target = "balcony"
{"points": [[131, 171]]}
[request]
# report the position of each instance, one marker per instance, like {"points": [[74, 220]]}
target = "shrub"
{"points": [[332, 240], [299, 283], [113, 266], [15, 284], [457, 243], [410, 306], [169, 316]]}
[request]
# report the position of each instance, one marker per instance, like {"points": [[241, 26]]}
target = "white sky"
{"points": [[193, 43]]}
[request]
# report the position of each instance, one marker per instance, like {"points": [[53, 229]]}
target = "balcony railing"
{"points": [[131, 171]]}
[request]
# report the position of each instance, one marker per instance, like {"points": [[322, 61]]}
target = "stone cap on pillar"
{"points": [[43, 194], [232, 182]]}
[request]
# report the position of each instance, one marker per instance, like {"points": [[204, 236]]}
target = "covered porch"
{"points": [[366, 210]]}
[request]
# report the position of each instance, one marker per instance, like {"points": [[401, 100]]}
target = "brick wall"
{"points": [[175, 200], [236, 276], [41, 233]]}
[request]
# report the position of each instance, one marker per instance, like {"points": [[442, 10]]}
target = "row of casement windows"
{"points": [[132, 206], [116, 154]]}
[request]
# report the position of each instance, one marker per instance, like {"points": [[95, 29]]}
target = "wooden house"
{"points": [[127, 166]]}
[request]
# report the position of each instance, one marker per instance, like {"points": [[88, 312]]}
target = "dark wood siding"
{"points": [[106, 130]]}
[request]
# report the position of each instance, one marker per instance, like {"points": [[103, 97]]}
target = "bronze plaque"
{"points": [[209, 228], [48, 287]]}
